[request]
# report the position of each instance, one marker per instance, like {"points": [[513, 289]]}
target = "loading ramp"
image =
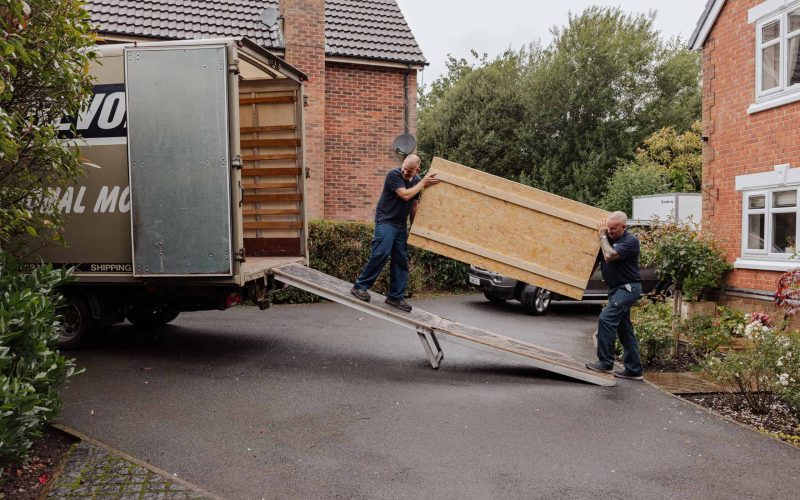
{"points": [[428, 326]]}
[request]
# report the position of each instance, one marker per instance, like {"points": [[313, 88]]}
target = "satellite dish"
{"points": [[269, 17], [405, 144]]}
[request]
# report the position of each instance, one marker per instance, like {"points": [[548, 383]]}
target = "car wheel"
{"points": [[76, 321], [494, 299], [150, 317], [535, 299]]}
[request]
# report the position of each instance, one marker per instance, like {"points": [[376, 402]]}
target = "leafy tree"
{"points": [[605, 84], [631, 180], [44, 74], [667, 162], [471, 115], [562, 117]]}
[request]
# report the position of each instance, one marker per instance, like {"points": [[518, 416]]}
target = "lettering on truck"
{"points": [[104, 118]]}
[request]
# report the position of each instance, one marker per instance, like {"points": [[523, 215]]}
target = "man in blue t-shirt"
{"points": [[620, 267], [398, 203]]}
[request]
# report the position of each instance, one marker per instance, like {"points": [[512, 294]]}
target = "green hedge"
{"points": [[31, 369], [341, 249]]}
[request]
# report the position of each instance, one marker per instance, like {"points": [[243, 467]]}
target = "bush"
{"points": [[691, 259], [31, 370], [788, 368], [731, 321], [341, 249], [755, 372], [632, 180], [652, 321], [705, 336]]}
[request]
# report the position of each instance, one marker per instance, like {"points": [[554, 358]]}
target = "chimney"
{"points": [[304, 35]]}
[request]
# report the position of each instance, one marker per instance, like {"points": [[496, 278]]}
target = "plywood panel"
{"points": [[509, 228]]}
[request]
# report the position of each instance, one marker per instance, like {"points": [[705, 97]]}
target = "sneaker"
{"points": [[361, 294], [400, 304], [596, 366], [627, 374]]}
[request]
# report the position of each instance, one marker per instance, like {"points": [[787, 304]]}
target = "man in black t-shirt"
{"points": [[620, 268], [398, 203]]}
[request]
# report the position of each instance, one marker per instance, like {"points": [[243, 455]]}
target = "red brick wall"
{"points": [[739, 143], [304, 31], [363, 115]]}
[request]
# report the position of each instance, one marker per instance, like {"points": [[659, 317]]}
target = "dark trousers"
{"points": [[616, 320], [389, 242]]}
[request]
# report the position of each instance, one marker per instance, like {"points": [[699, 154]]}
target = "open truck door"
{"points": [[179, 160]]}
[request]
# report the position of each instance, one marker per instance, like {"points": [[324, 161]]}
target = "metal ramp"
{"points": [[428, 325]]}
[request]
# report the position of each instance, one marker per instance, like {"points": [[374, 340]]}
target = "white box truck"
{"points": [[684, 208], [194, 185]]}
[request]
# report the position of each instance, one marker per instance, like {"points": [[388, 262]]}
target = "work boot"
{"points": [[361, 294], [400, 304], [628, 375], [596, 366]]}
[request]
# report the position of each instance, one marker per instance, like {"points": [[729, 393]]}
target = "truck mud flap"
{"points": [[428, 326]]}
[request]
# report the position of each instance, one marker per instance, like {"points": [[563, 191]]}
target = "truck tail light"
{"points": [[233, 299]]}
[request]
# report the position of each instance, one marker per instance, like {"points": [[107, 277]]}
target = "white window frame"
{"points": [[763, 14], [783, 178]]}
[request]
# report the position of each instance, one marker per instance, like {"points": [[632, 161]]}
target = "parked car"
{"points": [[536, 300]]}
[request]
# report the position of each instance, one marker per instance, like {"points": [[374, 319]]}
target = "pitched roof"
{"points": [[704, 24], [364, 29]]}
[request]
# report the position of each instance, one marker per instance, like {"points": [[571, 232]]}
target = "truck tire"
{"points": [[535, 300], [150, 317], [494, 299], [76, 321]]}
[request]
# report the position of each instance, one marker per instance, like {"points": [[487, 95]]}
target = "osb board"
{"points": [[509, 228]]}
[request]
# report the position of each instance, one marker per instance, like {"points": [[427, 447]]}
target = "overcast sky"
{"points": [[455, 26]]}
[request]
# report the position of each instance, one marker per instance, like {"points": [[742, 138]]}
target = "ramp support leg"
{"points": [[432, 347]]}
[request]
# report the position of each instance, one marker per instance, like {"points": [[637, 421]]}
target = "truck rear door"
{"points": [[179, 160]]}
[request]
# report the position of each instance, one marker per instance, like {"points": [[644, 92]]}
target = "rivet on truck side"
{"points": [[194, 185]]}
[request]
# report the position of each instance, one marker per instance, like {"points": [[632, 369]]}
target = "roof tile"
{"points": [[372, 29]]}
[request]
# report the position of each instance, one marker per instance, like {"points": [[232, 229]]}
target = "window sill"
{"points": [[773, 102], [766, 265]]}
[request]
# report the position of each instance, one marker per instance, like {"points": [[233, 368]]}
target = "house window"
{"points": [[770, 223], [777, 57]]}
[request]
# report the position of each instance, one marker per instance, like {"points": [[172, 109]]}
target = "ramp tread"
{"points": [[338, 290]]}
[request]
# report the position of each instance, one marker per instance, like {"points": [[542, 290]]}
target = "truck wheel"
{"points": [[147, 318], [536, 300], [494, 299], [76, 322]]}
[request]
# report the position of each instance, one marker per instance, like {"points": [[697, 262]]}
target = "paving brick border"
{"points": [[93, 469]]}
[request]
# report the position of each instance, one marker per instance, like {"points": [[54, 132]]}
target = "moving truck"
{"points": [[194, 187]]}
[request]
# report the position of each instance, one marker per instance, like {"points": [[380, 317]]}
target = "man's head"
{"points": [[410, 167], [617, 222]]}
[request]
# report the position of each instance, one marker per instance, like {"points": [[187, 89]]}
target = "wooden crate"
{"points": [[509, 228]]}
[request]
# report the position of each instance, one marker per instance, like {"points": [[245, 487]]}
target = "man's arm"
{"points": [[609, 254], [408, 193], [413, 211]]}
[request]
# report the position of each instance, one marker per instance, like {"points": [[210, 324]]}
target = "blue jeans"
{"points": [[389, 241], [616, 320]]}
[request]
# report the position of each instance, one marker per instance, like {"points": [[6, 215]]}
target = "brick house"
{"points": [[361, 59], [751, 155]]}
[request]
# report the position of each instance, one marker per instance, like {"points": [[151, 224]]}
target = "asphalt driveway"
{"points": [[320, 401]]}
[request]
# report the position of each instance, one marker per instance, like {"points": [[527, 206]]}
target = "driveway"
{"points": [[320, 401]]}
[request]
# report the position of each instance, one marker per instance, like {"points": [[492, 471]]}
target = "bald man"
{"points": [[620, 267], [397, 204]]}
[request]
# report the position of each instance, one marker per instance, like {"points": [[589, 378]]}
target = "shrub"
{"points": [[705, 336], [787, 295], [788, 368], [341, 249], [753, 373], [652, 321], [31, 370], [731, 322]]}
